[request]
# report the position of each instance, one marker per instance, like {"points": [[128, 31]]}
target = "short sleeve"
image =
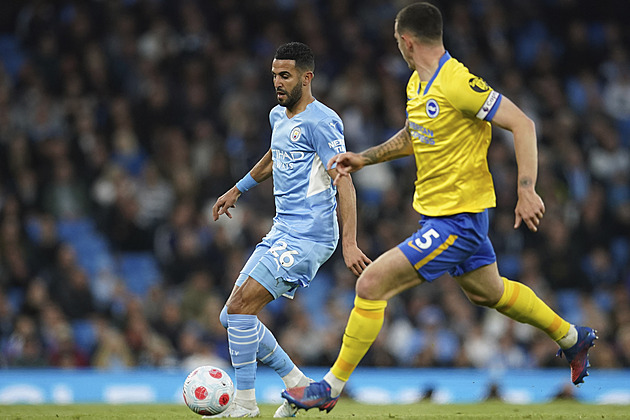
{"points": [[471, 95], [329, 139], [274, 115]]}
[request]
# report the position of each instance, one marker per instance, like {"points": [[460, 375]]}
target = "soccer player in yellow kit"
{"points": [[448, 130]]}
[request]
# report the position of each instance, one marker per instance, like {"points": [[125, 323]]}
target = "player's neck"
{"points": [[427, 61], [300, 106]]}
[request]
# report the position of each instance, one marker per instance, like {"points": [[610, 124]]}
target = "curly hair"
{"points": [[301, 53]]}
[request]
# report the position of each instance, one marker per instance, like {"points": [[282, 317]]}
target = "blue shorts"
{"points": [[455, 244], [282, 263]]}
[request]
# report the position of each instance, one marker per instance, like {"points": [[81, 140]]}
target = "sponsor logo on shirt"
{"points": [[337, 145], [421, 133], [286, 160], [478, 85]]}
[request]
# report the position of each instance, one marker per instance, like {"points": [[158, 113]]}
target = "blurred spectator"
{"points": [[35, 299], [617, 91], [65, 197], [181, 246], [32, 354], [74, 295], [123, 227], [559, 256], [112, 352], [46, 240], [132, 117], [608, 158], [23, 346], [170, 323], [15, 269], [197, 352], [197, 290], [155, 197], [66, 354]]}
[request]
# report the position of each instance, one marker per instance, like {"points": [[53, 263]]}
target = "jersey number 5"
{"points": [[427, 239]]}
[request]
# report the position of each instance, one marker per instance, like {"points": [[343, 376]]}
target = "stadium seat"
{"points": [[509, 265], [12, 56], [15, 295], [569, 304], [73, 230], [139, 270], [84, 335]]}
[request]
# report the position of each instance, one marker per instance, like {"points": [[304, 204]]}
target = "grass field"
{"points": [[346, 409]]}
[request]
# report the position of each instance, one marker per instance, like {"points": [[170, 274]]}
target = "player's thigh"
{"points": [[482, 286], [388, 275], [261, 249]]}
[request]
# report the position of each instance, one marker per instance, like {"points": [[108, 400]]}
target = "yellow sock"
{"points": [[364, 324], [521, 304]]}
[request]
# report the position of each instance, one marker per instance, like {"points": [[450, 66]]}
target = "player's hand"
{"points": [[355, 259], [224, 203], [346, 163], [529, 209]]}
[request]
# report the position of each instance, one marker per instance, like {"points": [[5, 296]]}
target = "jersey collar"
{"points": [[445, 57]]}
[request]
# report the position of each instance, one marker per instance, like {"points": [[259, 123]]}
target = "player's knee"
{"points": [[482, 300], [238, 304], [223, 317], [234, 306], [368, 288]]}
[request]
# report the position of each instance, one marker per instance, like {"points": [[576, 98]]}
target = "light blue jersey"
{"points": [[305, 230], [301, 147]]}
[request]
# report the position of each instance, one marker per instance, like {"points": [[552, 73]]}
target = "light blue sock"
{"points": [[243, 342], [270, 352]]}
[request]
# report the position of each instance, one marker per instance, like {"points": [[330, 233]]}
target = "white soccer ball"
{"points": [[208, 390]]}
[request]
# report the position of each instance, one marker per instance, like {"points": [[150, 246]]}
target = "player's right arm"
{"points": [[397, 146], [529, 206], [260, 172]]}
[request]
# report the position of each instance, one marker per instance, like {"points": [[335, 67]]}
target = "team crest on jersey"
{"points": [[432, 107], [478, 85], [295, 134]]}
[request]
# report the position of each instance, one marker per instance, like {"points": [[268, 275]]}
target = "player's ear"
{"points": [[307, 78], [408, 43]]}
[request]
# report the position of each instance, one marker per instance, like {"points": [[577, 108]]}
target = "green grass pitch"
{"points": [[345, 409]]}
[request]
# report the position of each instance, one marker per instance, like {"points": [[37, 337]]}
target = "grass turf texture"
{"points": [[345, 409]]}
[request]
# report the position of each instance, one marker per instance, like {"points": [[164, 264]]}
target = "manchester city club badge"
{"points": [[295, 134]]}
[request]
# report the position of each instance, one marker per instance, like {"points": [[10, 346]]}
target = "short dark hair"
{"points": [[301, 53], [423, 20]]}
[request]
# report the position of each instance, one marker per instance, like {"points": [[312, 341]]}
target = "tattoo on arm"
{"points": [[396, 147]]}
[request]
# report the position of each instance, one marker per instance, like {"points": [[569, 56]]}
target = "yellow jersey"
{"points": [[449, 121]]}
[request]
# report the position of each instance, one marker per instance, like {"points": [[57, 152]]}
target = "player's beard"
{"points": [[292, 98]]}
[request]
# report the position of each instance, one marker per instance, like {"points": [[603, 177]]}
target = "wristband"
{"points": [[246, 183]]}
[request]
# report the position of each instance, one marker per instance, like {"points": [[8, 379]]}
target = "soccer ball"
{"points": [[208, 390]]}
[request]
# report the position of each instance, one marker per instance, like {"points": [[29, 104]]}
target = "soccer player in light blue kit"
{"points": [[305, 232]]}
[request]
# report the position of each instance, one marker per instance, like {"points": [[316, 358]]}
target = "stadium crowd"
{"points": [[121, 122]]}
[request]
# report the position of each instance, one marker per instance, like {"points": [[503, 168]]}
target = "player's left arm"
{"points": [[260, 172], [354, 258], [529, 207]]}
